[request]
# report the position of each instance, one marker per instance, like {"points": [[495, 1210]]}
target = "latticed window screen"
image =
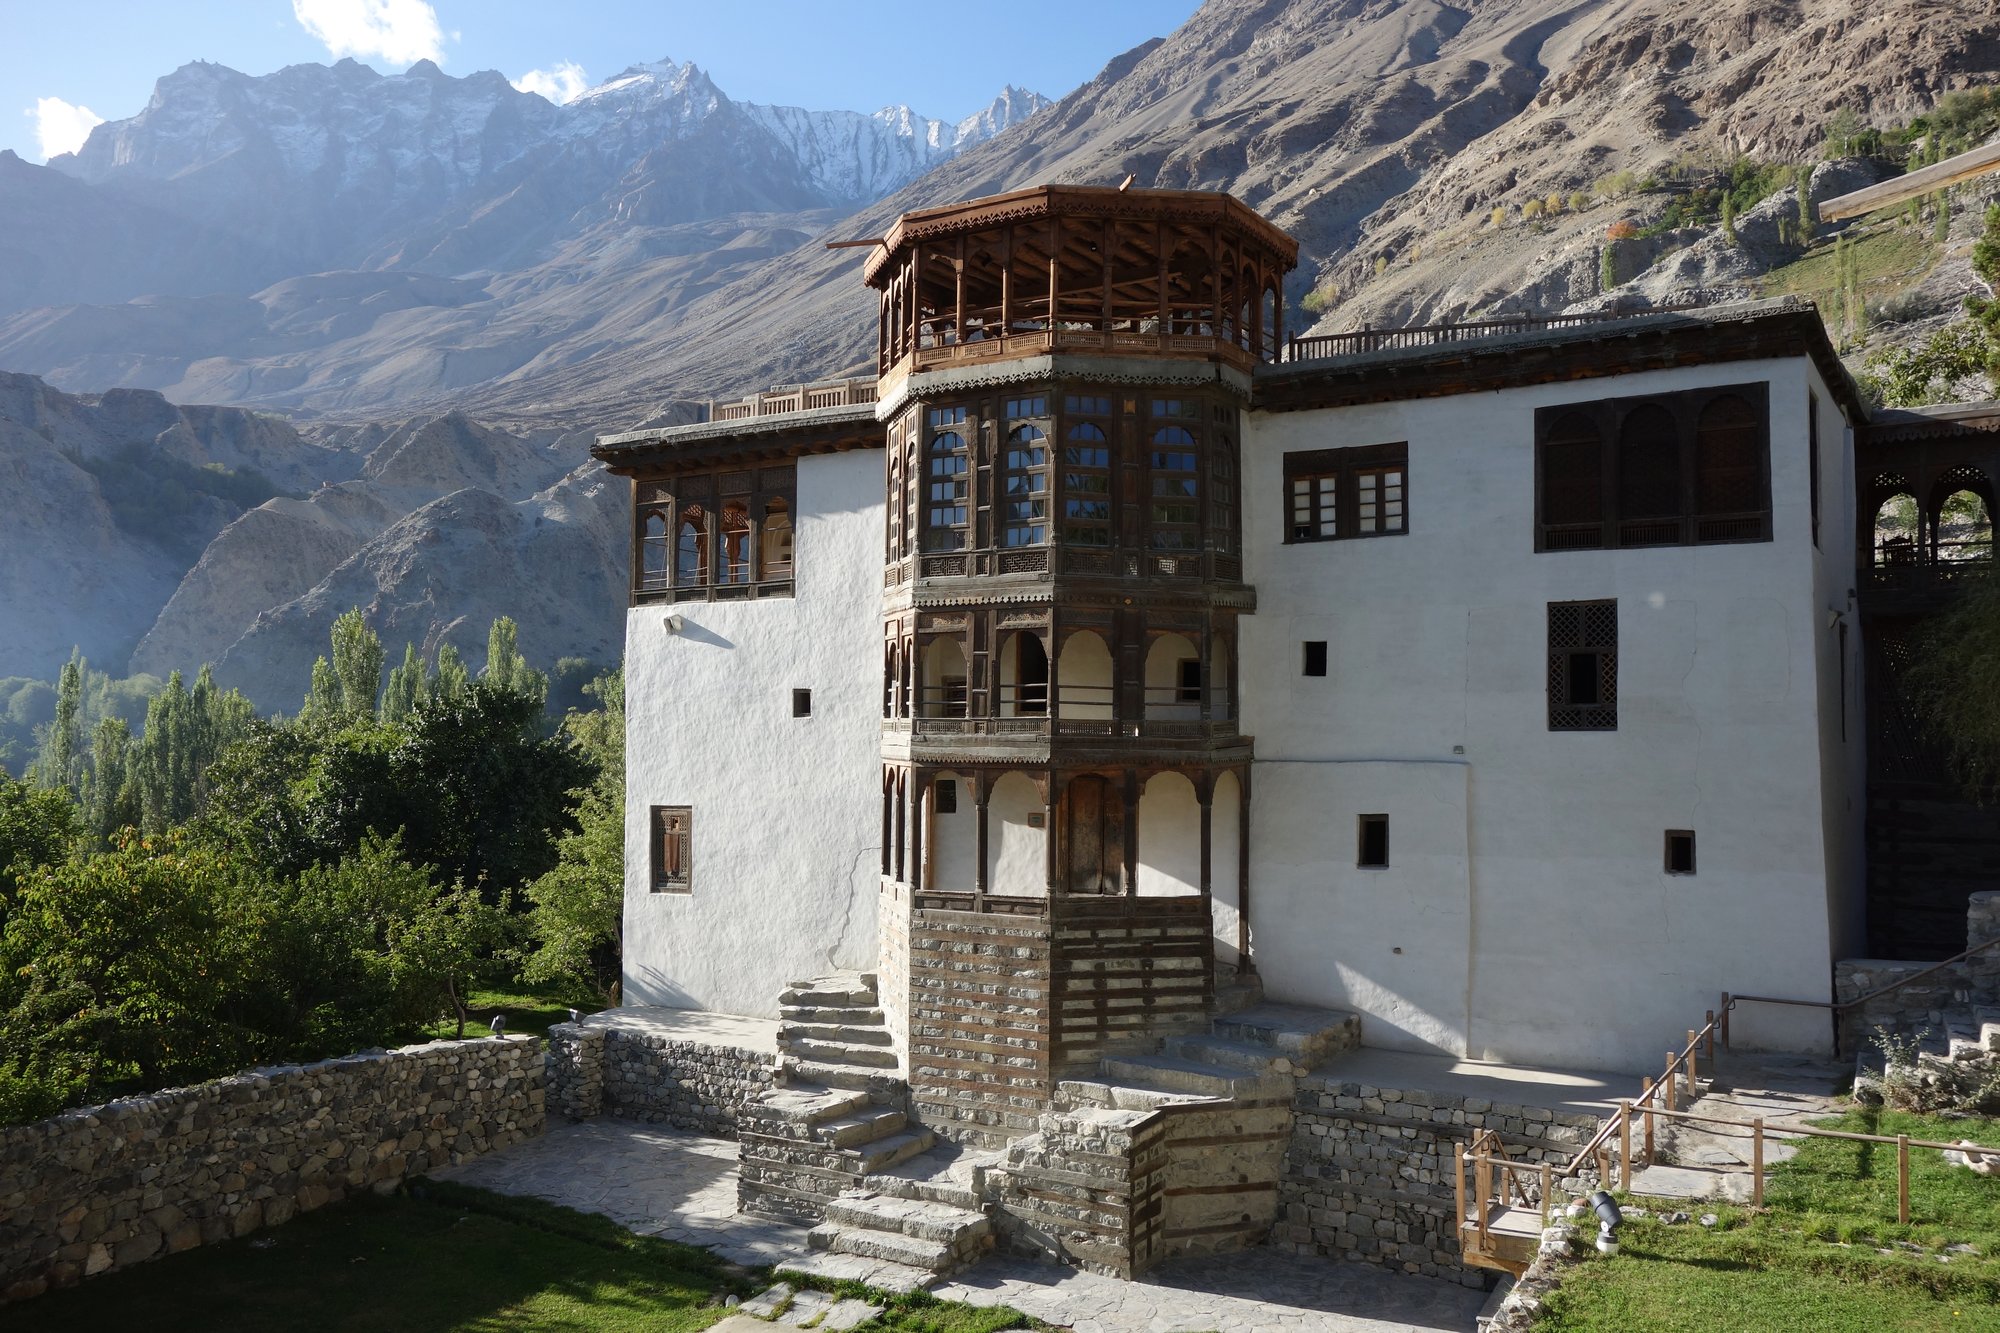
{"points": [[1315, 516], [1583, 666], [1024, 519], [673, 846], [1175, 514], [1378, 500], [1087, 485]]}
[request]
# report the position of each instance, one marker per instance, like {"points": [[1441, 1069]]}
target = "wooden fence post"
{"points": [[1903, 1178], [1625, 1144], [1693, 1078], [1708, 1027], [1673, 1100], [1725, 1020], [1548, 1186], [1646, 1100], [1757, 1162]]}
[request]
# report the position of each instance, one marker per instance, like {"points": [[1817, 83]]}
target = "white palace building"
{"points": [[1108, 651]]}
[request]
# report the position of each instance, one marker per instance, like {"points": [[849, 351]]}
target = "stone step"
{"points": [[930, 1255], [880, 1274], [1306, 1034], [1120, 1095], [839, 1053], [805, 1104], [835, 1015], [1988, 1021], [860, 1034], [864, 1127], [1250, 1057], [883, 1153], [836, 992], [916, 1218], [852, 1077], [1236, 991], [949, 1173], [1171, 1074]]}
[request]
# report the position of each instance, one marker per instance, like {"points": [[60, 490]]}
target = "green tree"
{"points": [[1729, 219], [1955, 683], [506, 669], [323, 702], [406, 688], [110, 798], [357, 663], [578, 908], [450, 679], [59, 765], [1929, 371], [1985, 310], [37, 828]]}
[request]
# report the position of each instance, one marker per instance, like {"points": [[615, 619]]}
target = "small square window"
{"points": [[944, 796], [1374, 849], [1315, 657], [802, 703], [1680, 851], [1188, 681]]}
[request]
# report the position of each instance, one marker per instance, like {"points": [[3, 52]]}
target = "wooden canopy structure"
{"points": [[1177, 273], [1939, 175]]}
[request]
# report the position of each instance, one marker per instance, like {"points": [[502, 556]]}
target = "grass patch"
{"points": [[530, 1011], [921, 1312], [1814, 1259], [442, 1257], [1891, 259]]}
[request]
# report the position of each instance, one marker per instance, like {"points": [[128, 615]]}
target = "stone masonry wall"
{"points": [[646, 1076], [1368, 1175], [1920, 1006], [104, 1187]]}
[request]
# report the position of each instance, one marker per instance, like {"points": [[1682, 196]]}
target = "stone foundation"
{"points": [[108, 1186], [597, 1068], [1368, 1175], [1922, 1006]]}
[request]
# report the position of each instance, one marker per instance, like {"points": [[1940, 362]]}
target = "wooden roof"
{"points": [[1083, 201]]}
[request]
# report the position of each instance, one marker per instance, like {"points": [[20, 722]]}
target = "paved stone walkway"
{"points": [[682, 1187]]}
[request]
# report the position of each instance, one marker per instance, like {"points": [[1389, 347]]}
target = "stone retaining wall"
{"points": [[597, 1069], [1921, 1006], [107, 1186], [1368, 1175]]}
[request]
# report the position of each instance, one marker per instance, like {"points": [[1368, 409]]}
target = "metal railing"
{"points": [[1835, 1008]]}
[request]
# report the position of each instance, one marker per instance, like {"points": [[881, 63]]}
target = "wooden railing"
{"points": [[1318, 347], [796, 398], [1835, 1008]]}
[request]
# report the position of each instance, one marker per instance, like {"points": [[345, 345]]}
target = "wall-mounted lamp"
{"points": [[674, 624]]}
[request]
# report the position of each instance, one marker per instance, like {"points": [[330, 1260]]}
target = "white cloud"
{"points": [[402, 32], [62, 128], [560, 83]]}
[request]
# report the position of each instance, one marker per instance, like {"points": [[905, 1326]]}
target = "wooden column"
{"points": [[1243, 959], [888, 799], [1049, 799], [1107, 243], [982, 795], [1007, 282], [1207, 649], [1131, 797], [1205, 793], [1166, 302], [902, 821], [918, 812], [958, 297], [1055, 275]]}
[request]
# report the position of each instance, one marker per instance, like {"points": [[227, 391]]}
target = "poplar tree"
{"points": [[323, 696], [110, 801], [406, 688], [59, 767], [506, 669], [450, 679], [357, 663]]}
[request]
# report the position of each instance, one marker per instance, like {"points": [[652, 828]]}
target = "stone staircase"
{"points": [[927, 1212], [1175, 1152], [837, 1112]]}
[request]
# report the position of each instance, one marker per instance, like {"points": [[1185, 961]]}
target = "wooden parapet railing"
{"points": [[796, 398], [1318, 347], [1835, 1008]]}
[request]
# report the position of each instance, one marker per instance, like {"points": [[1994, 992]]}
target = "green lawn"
{"points": [[441, 1257], [528, 1010], [1812, 1262]]}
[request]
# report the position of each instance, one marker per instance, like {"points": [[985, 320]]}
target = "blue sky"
{"points": [[63, 62]]}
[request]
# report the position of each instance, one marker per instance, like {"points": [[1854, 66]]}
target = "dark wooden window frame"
{"points": [[672, 849], [1315, 658], [1690, 526], [1345, 467], [762, 490], [1579, 631]]}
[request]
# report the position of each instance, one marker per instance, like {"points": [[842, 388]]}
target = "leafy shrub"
{"points": [[1534, 208], [1499, 215], [1624, 229]]}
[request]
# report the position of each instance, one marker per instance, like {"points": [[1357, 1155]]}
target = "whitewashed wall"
{"points": [[1525, 890], [787, 811]]}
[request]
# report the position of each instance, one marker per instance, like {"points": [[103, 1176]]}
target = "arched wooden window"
{"points": [[1176, 490], [1963, 528], [1649, 478], [1024, 513], [691, 548], [775, 560], [949, 493], [1572, 484], [1896, 530], [1729, 471], [735, 566], [653, 551], [1269, 324], [1086, 486]]}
